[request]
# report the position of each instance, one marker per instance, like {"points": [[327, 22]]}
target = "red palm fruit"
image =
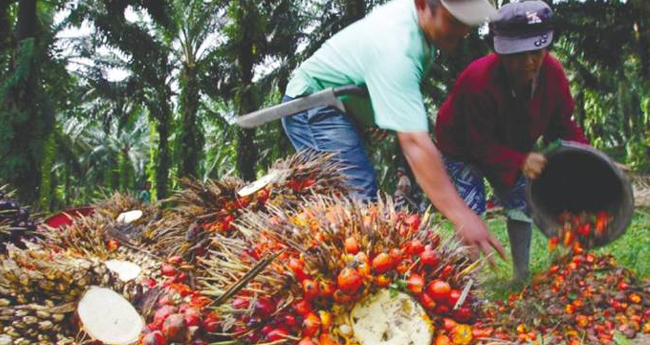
{"points": [[552, 243], [163, 313], [584, 230], [180, 278], [383, 280], [439, 290], [569, 309], [396, 256], [622, 286], [413, 221], [264, 308], [454, 296], [302, 307], [635, 298], [253, 337], [297, 267], [192, 317], [462, 314], [262, 195], [449, 324], [382, 263], [112, 245], [325, 339], [482, 333], [442, 340], [582, 321], [243, 202], [351, 245], [289, 320], [349, 280], [306, 341], [404, 266], [341, 297], [154, 338], [427, 302], [310, 325], [267, 329], [211, 323], [277, 334], [578, 303], [240, 303], [414, 247], [168, 270], [446, 272], [326, 288], [429, 258], [415, 283], [175, 328], [441, 309], [310, 289]]}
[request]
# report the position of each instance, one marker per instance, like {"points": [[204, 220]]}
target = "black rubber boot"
{"points": [[520, 234]]}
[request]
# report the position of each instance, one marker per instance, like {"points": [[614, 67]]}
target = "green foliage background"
{"points": [[69, 131]]}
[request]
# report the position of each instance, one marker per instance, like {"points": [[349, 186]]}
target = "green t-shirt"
{"points": [[388, 53]]}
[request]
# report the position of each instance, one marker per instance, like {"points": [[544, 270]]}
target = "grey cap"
{"points": [[522, 26], [471, 12]]}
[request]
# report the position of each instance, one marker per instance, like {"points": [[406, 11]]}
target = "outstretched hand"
{"points": [[473, 232]]}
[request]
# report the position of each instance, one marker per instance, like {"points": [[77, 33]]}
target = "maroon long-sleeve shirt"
{"points": [[484, 123]]}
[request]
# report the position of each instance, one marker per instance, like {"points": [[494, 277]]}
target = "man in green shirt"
{"points": [[389, 52]]}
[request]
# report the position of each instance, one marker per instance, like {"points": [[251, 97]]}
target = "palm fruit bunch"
{"points": [[40, 291], [119, 245], [345, 273], [15, 221], [201, 209], [118, 203], [581, 231], [178, 315]]}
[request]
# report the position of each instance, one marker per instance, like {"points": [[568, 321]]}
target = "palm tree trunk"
{"points": [[246, 98], [191, 139], [164, 156]]}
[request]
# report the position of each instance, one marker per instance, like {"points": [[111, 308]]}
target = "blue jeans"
{"points": [[468, 179], [325, 129]]}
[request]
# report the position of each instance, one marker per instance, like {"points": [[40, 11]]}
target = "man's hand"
{"points": [[533, 165], [473, 232], [426, 163]]}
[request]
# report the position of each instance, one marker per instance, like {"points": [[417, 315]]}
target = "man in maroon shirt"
{"points": [[499, 108]]}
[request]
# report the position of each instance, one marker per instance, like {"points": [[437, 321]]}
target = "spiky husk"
{"points": [[106, 239], [315, 235], [112, 206], [201, 209], [33, 274]]}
